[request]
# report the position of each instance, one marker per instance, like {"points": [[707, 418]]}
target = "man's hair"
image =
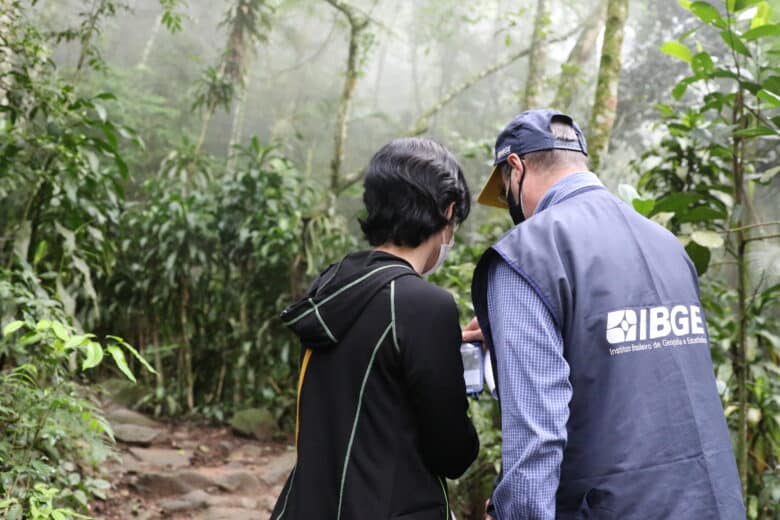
{"points": [[553, 159], [408, 187]]}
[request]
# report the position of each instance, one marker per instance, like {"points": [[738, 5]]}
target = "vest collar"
{"points": [[565, 187]]}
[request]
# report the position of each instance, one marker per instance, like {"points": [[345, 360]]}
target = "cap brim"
{"points": [[492, 191]]}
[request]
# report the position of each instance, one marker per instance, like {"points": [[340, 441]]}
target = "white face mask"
{"points": [[444, 251]]}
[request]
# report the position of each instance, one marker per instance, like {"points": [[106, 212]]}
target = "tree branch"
{"points": [[421, 124], [759, 224], [763, 237]]}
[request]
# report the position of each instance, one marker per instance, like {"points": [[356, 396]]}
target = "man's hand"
{"points": [[488, 516], [472, 332]]}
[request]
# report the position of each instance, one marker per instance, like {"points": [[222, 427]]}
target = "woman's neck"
{"points": [[416, 256]]}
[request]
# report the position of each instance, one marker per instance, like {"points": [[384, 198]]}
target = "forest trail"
{"points": [[188, 471]]}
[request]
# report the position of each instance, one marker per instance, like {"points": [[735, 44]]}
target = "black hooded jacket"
{"points": [[382, 401]]}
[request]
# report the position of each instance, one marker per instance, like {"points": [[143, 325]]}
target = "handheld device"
{"points": [[473, 371], [490, 380]]}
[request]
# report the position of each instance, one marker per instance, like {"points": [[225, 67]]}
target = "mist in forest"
{"points": [[415, 59], [417, 52]]}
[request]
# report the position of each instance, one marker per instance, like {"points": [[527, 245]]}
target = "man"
{"points": [[609, 407]]}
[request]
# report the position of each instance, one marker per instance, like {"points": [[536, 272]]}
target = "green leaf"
{"points": [[627, 192], [13, 327], [700, 256], [677, 202], [77, 340], [679, 90], [700, 214], [60, 331], [94, 355], [733, 42], [708, 239], [702, 64], [762, 32], [755, 132], [685, 4], [677, 50], [740, 5], [134, 352], [102, 114], [43, 325], [643, 206], [762, 15], [770, 97], [769, 175], [40, 252], [121, 362], [708, 14], [772, 84]]}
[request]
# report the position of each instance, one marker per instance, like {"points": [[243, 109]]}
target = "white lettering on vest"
{"points": [[659, 322], [680, 327], [654, 323]]}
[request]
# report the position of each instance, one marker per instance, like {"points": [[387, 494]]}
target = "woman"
{"points": [[381, 398]]}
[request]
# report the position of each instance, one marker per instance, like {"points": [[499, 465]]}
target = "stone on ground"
{"points": [[126, 416], [158, 484], [233, 513], [134, 434], [162, 457], [276, 470], [195, 499], [254, 422], [237, 480]]}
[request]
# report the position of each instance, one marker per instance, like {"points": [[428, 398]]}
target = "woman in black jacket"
{"points": [[381, 399]]}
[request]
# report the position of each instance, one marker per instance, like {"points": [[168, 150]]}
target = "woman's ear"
{"points": [[450, 211]]}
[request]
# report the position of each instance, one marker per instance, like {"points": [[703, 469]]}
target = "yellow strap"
{"points": [[305, 364]]}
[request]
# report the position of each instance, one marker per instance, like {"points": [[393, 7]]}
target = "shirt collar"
{"points": [[566, 186]]}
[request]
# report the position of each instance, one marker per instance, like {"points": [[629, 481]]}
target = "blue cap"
{"points": [[528, 132]]}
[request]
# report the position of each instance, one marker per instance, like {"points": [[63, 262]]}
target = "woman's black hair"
{"points": [[408, 187]]}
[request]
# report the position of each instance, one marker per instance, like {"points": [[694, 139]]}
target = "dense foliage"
{"points": [[717, 150], [132, 206]]}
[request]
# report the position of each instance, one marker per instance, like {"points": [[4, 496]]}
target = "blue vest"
{"points": [[647, 438]]}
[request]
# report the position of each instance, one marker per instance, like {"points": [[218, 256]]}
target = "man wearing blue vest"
{"points": [[609, 407]]}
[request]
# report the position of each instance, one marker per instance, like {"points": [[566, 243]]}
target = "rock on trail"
{"points": [[190, 471]]}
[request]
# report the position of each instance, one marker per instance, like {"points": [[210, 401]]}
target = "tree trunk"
{"points": [[150, 42], [154, 336], [738, 350], [579, 57], [605, 105], [357, 24], [238, 127], [534, 86], [8, 15], [380, 70], [187, 372], [204, 128]]}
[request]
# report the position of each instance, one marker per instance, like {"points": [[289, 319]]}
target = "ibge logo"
{"points": [[653, 323], [621, 326]]}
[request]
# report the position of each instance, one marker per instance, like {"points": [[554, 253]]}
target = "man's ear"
{"points": [[514, 161]]}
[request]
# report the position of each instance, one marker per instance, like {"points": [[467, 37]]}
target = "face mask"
{"points": [[444, 251], [515, 207]]}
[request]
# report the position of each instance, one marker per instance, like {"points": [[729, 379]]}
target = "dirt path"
{"points": [[190, 471]]}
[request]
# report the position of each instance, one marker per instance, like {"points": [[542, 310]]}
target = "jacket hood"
{"points": [[338, 296]]}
